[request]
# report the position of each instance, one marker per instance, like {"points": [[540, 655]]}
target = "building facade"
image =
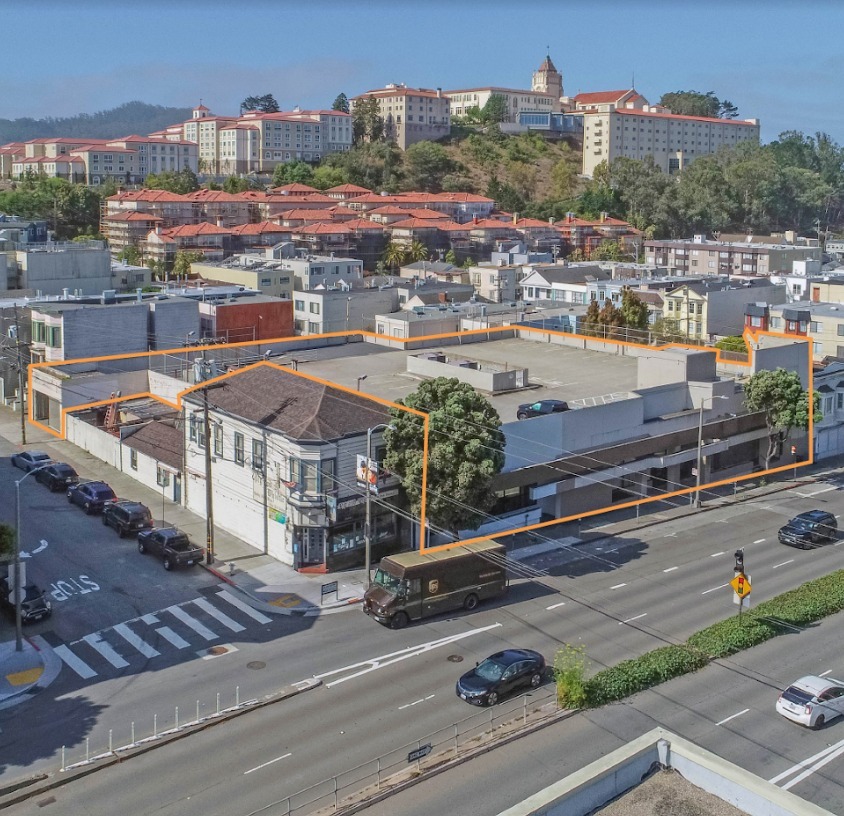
{"points": [[411, 114]]}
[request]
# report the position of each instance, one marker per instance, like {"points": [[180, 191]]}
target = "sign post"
{"points": [[742, 587]]}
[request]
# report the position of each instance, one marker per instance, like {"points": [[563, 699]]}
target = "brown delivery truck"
{"points": [[414, 585]]}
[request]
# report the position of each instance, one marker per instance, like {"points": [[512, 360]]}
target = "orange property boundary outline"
{"points": [[750, 339]]}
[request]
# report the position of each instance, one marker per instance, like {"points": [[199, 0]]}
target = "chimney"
{"points": [[551, 221], [439, 93], [603, 217], [515, 218], [139, 294], [474, 219], [220, 221], [158, 229]]}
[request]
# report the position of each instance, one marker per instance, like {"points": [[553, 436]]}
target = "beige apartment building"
{"points": [[257, 142], [674, 142], [411, 114]]}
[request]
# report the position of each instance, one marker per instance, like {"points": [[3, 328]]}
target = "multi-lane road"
{"points": [[382, 689]]}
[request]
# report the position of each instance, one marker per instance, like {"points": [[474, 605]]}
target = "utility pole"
{"points": [[20, 377], [209, 489]]}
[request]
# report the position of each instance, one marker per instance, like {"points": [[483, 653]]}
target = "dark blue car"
{"points": [[90, 496]]}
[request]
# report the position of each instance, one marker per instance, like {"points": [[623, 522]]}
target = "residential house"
{"points": [[341, 309], [562, 284], [496, 284], [820, 323]]}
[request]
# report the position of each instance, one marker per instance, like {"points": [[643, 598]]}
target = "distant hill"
{"points": [[125, 120]]}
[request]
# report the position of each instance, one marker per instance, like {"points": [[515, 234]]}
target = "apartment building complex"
{"points": [[701, 256], [411, 114]]}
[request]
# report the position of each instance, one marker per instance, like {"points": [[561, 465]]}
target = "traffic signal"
{"points": [[740, 585], [739, 556]]}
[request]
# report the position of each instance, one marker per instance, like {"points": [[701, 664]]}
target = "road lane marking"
{"points": [[555, 606], [759, 541], [790, 561], [133, 640], [258, 767], [817, 492], [618, 586], [707, 591], [192, 623], [632, 619], [245, 608], [814, 768], [669, 535], [416, 702], [824, 674], [806, 762], [228, 622], [732, 716], [166, 632], [366, 666], [96, 642], [671, 569], [71, 660], [715, 555]]}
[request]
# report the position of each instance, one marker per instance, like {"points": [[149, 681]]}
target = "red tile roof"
{"points": [[525, 223], [675, 116], [599, 97], [190, 230], [347, 188], [413, 223], [293, 189], [362, 224], [303, 215], [258, 229], [213, 195], [323, 229], [133, 215]]}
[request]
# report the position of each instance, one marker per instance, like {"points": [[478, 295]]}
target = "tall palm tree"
{"points": [[395, 255], [418, 251]]}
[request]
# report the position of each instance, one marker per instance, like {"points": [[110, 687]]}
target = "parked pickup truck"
{"points": [[172, 545]]}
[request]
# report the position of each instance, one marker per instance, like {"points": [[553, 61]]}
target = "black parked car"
{"points": [[126, 517], [29, 460], [541, 408], [500, 674], [174, 547], [90, 496], [58, 476], [34, 603], [808, 529]]}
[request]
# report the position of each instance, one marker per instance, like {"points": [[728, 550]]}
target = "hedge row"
{"points": [[651, 669], [808, 603], [798, 607]]}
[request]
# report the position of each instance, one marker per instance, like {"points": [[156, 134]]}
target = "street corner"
{"points": [[24, 670]]}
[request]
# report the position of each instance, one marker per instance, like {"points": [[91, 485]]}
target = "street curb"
{"points": [[24, 789], [51, 668], [436, 770]]}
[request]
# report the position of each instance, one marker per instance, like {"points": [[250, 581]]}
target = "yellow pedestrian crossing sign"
{"points": [[741, 585]]}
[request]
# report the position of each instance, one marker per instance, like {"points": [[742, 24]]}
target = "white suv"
{"points": [[812, 701]]}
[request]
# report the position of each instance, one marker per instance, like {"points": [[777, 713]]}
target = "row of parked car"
{"points": [[126, 517]]}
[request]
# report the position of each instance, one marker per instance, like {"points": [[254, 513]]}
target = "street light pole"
{"points": [[18, 616], [700, 445], [367, 529]]}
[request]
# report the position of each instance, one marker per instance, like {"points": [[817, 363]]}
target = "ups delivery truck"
{"points": [[414, 585]]}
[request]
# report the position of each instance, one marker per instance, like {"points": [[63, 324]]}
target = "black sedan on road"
{"points": [[31, 459], [90, 496], [501, 674], [541, 408], [58, 476]]}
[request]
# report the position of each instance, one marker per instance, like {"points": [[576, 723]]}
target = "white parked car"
{"points": [[812, 701]]}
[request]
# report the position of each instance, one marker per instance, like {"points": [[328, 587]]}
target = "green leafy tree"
{"points": [[727, 110], [326, 176], [692, 103], [374, 165], [666, 330], [341, 103], [565, 174], [570, 665], [781, 396], [182, 182], [733, 342], [495, 110], [523, 179], [590, 324], [7, 542], [264, 104], [235, 184], [394, 255], [130, 255], [451, 257], [181, 265], [634, 311], [425, 166], [465, 452], [367, 122], [295, 172], [608, 251]]}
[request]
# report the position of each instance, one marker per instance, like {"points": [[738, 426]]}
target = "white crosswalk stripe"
{"points": [[149, 637], [95, 641], [132, 639], [245, 608], [193, 623]]}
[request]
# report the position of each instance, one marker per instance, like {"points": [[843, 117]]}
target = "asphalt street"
{"points": [[382, 689]]}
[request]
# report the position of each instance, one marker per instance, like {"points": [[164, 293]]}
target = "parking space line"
{"points": [[824, 674], [759, 541], [618, 586], [671, 569], [715, 555], [133, 640], [555, 606], [228, 622], [733, 716]]}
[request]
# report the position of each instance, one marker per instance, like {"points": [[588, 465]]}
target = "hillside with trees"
{"points": [[124, 120]]}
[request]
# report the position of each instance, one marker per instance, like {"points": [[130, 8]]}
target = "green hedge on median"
{"points": [[651, 669], [798, 607], [808, 603]]}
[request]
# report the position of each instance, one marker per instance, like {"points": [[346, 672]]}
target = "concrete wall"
{"points": [[97, 331], [51, 271], [74, 391], [167, 388], [725, 309], [774, 352], [171, 320], [675, 365], [482, 378], [610, 776]]}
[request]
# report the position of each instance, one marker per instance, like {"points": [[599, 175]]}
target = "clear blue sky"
{"points": [[777, 61]]}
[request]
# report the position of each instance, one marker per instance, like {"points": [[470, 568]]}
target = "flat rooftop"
{"points": [[554, 371]]}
